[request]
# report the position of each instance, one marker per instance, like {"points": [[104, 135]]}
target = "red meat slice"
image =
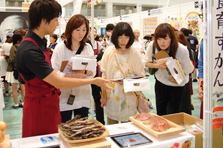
{"points": [[160, 126], [142, 116]]}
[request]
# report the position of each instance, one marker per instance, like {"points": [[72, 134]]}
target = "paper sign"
{"points": [[79, 63], [176, 70], [131, 85]]}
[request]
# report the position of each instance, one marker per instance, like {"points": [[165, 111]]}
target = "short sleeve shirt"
{"points": [[30, 59]]}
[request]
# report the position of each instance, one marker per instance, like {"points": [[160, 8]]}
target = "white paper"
{"points": [[175, 71], [131, 85], [79, 63]]}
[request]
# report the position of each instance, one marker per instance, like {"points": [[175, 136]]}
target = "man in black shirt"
{"points": [[41, 113]]}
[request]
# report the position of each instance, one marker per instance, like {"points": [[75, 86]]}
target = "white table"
{"points": [[166, 142]]}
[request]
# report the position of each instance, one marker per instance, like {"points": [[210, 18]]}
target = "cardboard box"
{"points": [[183, 119]]}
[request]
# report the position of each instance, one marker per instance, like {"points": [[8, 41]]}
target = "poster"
{"points": [[11, 21], [217, 64], [192, 19], [149, 25], [174, 21]]}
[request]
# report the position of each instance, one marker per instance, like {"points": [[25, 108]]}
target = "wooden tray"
{"points": [[105, 134], [174, 129]]}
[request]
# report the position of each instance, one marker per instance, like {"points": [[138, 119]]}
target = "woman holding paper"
{"points": [[169, 94], [75, 100], [118, 62]]}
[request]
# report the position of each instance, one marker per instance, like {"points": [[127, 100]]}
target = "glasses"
{"points": [[201, 16]]}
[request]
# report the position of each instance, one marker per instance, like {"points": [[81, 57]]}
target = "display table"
{"points": [[55, 139]]}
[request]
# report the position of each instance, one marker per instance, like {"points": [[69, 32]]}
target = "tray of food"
{"points": [[79, 130], [156, 125]]}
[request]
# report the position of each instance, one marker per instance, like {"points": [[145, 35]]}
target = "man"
{"points": [[41, 113], [10, 24], [194, 46], [138, 44]]}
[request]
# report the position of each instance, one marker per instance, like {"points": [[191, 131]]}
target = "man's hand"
{"points": [[102, 83]]}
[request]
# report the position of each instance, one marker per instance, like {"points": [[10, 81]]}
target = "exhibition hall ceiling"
{"points": [[130, 2]]}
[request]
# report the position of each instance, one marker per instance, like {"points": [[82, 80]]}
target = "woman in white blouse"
{"points": [[75, 100], [169, 94]]}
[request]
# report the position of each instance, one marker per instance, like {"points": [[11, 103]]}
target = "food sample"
{"points": [[81, 128], [156, 123], [142, 116]]}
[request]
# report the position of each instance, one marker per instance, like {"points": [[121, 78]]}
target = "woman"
{"points": [[119, 106], [187, 102], [169, 94], [16, 39], [6, 50], [76, 34], [53, 41]]}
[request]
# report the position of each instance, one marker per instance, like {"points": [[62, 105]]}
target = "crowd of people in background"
{"points": [[120, 53]]}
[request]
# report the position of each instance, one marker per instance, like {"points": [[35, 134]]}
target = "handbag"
{"points": [[142, 102], [15, 73], [153, 70]]}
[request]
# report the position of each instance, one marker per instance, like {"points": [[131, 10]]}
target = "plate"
{"points": [[174, 129], [105, 134]]}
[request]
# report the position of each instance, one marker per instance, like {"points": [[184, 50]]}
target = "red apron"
{"points": [[41, 113]]}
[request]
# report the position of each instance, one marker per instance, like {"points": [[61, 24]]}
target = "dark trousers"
{"points": [[168, 98], [186, 101], [97, 97], [67, 115]]}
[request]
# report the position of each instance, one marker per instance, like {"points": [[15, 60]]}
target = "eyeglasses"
{"points": [[201, 16]]}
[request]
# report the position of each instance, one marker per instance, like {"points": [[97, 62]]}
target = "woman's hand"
{"points": [[103, 101], [161, 65], [200, 89], [172, 79], [119, 82]]}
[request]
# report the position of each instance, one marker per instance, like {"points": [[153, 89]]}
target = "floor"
{"points": [[13, 117]]}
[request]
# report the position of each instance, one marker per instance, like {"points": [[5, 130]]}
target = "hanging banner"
{"points": [[95, 2], [217, 64]]}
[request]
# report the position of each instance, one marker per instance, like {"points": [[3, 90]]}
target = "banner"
{"points": [[95, 2], [217, 16]]}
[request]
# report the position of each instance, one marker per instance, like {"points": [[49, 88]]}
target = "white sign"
{"points": [[217, 63]]}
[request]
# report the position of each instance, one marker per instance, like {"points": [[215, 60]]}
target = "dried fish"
{"points": [[83, 128]]}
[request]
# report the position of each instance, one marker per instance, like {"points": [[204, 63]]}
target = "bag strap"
{"points": [[118, 64]]}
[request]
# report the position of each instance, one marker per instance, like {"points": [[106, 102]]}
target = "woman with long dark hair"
{"points": [[76, 34], [11, 69], [169, 94]]}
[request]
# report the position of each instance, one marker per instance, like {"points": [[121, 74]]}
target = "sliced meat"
{"points": [[142, 116], [160, 126]]}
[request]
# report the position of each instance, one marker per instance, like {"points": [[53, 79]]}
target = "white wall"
{"points": [[136, 19]]}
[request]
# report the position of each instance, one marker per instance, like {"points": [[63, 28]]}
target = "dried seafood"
{"points": [[83, 128]]}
